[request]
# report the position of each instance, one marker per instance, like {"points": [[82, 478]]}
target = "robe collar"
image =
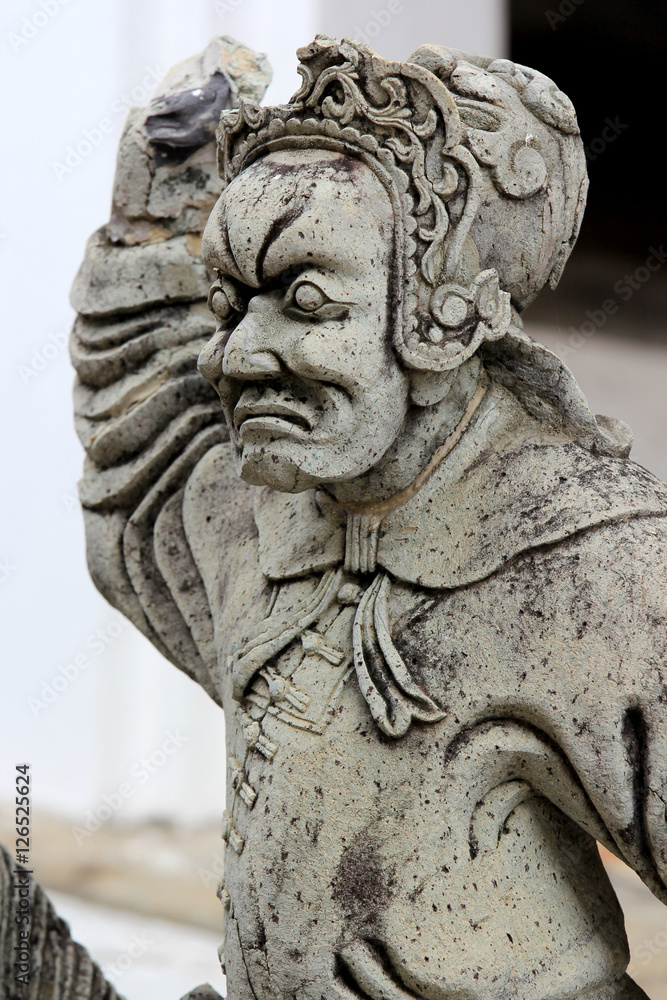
{"points": [[509, 485]]}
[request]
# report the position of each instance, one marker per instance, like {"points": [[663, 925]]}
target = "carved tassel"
{"points": [[393, 697]]}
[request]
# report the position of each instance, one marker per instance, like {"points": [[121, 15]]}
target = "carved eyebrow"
{"points": [[286, 277], [279, 282], [277, 227]]}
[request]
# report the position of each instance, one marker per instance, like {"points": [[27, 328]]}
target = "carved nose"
{"points": [[244, 352], [222, 357], [209, 362], [239, 362]]}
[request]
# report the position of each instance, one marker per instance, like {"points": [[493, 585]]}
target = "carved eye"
{"points": [[224, 301], [307, 302], [309, 297], [219, 304]]}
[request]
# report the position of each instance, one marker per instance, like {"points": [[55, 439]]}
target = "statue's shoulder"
{"points": [[622, 564], [467, 523]]}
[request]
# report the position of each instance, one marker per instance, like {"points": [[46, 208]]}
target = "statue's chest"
{"points": [[285, 672], [302, 685], [338, 834], [297, 708]]}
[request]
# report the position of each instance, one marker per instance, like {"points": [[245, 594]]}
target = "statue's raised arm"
{"points": [[143, 413]]}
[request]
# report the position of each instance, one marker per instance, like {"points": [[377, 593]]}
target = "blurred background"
{"points": [[86, 700]]}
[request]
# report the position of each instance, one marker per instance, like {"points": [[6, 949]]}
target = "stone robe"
{"points": [[429, 720]]}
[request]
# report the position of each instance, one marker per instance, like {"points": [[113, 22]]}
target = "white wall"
{"points": [[65, 66], [395, 28]]}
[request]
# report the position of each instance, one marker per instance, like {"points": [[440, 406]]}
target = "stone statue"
{"points": [[425, 583], [38, 958]]}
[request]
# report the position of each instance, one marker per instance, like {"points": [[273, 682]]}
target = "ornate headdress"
{"points": [[481, 160]]}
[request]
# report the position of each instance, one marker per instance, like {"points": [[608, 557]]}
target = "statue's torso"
{"points": [[348, 850], [351, 853], [360, 861]]}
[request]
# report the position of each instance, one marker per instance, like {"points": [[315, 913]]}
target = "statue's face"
{"points": [[301, 358]]}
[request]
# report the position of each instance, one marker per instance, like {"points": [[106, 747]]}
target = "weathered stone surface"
{"points": [[38, 957], [142, 277], [425, 583], [166, 177]]}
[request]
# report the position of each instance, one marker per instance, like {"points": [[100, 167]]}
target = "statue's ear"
{"points": [[428, 387], [461, 318]]}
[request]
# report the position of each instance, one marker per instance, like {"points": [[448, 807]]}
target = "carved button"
{"points": [[236, 841], [256, 739], [313, 642], [349, 593], [251, 731], [278, 687], [282, 692]]}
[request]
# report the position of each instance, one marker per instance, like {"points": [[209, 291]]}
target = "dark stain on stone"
{"points": [[363, 883]]}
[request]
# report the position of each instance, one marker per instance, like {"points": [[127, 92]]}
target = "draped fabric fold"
{"points": [[276, 632], [393, 697]]}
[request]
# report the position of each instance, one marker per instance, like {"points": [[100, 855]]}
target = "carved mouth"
{"points": [[269, 417]]}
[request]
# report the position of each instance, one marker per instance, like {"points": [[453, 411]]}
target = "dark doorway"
{"points": [[610, 57]]}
